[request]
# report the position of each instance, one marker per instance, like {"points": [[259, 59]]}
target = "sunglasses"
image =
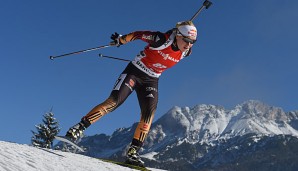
{"points": [[186, 39]]}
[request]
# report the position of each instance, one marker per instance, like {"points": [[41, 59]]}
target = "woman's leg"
{"points": [[148, 98], [123, 88]]}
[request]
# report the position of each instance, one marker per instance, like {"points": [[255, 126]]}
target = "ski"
{"points": [[126, 165], [68, 141]]}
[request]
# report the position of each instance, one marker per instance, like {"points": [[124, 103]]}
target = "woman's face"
{"points": [[184, 43]]}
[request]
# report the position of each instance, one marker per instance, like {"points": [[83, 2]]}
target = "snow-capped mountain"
{"points": [[192, 138], [208, 123]]}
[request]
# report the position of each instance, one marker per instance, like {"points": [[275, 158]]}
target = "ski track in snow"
{"points": [[18, 157]]}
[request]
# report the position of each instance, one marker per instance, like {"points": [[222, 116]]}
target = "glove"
{"points": [[116, 39]]}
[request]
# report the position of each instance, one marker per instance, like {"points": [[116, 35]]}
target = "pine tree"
{"points": [[46, 132]]}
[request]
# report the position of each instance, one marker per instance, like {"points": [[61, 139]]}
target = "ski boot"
{"points": [[75, 133], [133, 157]]}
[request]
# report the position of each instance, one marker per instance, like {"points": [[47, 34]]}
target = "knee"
{"points": [[109, 104]]}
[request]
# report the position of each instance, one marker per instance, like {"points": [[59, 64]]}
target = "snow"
{"points": [[20, 157], [150, 155]]}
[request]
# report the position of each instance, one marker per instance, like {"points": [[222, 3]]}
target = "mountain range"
{"points": [[251, 136]]}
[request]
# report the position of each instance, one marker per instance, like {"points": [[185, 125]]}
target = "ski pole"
{"points": [[81, 51], [206, 5], [112, 57]]}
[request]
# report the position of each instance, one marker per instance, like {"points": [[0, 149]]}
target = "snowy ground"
{"points": [[18, 157]]}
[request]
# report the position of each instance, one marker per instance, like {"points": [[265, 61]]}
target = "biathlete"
{"points": [[163, 51]]}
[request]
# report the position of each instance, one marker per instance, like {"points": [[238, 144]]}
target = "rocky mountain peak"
{"points": [[206, 123], [259, 109]]}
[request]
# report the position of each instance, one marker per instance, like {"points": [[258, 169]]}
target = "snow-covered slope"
{"points": [[17, 157]]}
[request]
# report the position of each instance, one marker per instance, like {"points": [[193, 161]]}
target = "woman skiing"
{"points": [[163, 51]]}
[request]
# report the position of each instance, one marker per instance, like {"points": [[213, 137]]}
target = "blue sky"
{"points": [[245, 50]]}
